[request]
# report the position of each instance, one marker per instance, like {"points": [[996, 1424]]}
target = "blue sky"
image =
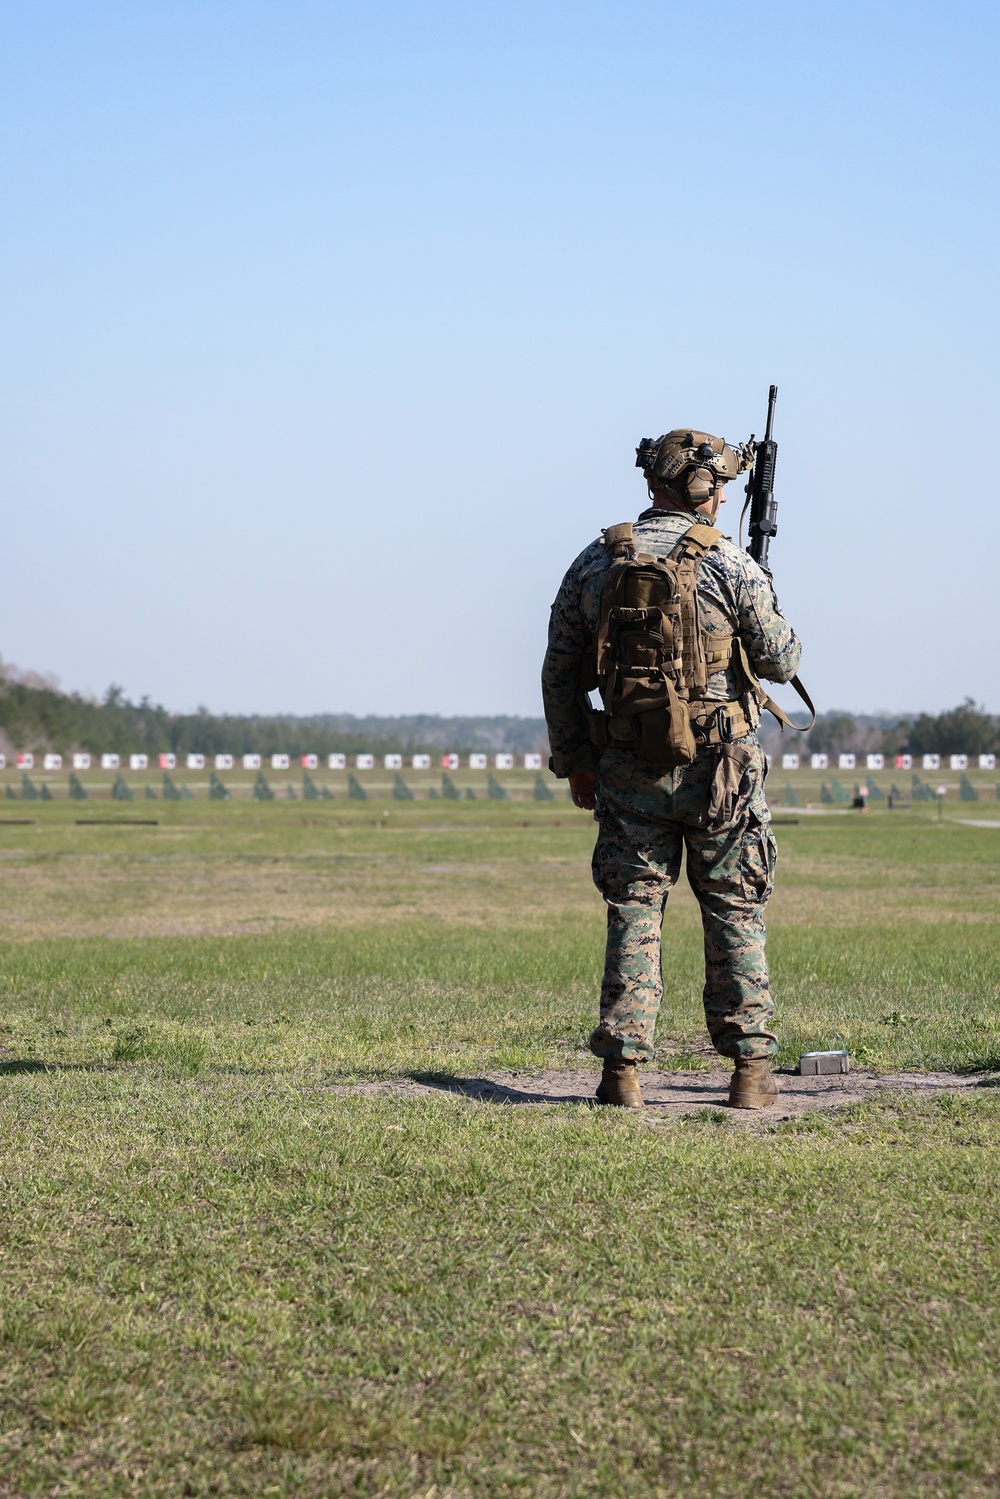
{"points": [[328, 333]]}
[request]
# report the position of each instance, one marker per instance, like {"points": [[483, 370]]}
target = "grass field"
{"points": [[224, 1273]]}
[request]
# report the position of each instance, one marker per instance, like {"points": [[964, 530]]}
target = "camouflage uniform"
{"points": [[646, 818]]}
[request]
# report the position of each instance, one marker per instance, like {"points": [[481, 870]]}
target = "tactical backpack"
{"points": [[654, 659]]}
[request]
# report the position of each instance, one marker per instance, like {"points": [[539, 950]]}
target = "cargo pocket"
{"points": [[617, 768], [757, 860], [730, 784]]}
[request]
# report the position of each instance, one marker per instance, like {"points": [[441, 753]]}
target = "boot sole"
{"points": [[753, 1100], [619, 1103]]}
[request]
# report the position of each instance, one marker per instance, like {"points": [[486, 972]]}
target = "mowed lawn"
{"points": [[224, 1272]]}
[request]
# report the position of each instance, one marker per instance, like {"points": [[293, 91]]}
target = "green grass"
{"points": [[384, 1002], [231, 1286], [222, 1274]]}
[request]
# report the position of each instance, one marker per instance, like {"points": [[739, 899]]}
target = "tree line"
{"points": [[965, 730], [36, 715]]}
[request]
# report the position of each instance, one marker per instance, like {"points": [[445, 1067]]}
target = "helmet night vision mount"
{"points": [[691, 465]]}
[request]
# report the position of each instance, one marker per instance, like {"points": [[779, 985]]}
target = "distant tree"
{"points": [[965, 730], [45, 794], [121, 791], [494, 790], [894, 740], [150, 793], [29, 791], [449, 790], [966, 791], [833, 734], [400, 791], [217, 792], [261, 790], [35, 715], [922, 736], [309, 789], [355, 790], [542, 792], [77, 790], [170, 792]]}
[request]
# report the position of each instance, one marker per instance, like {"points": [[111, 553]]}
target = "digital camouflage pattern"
{"points": [[715, 807], [645, 821], [733, 594]]}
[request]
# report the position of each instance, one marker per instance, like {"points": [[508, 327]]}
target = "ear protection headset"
{"points": [[691, 465]]}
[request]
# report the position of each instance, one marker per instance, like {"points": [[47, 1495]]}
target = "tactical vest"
{"points": [[654, 659]]}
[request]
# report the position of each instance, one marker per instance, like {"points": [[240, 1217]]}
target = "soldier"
{"points": [[675, 624]]}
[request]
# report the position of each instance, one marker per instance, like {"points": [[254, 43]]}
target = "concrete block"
{"points": [[812, 1063]]}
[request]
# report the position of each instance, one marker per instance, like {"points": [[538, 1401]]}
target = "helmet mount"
{"points": [[691, 466]]}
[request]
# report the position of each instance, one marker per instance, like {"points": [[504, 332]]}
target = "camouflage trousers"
{"points": [[715, 809]]}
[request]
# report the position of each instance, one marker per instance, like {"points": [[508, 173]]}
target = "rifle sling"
{"points": [[766, 701], [782, 716]]}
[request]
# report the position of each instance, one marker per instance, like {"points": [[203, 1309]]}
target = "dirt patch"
{"points": [[676, 1093]]}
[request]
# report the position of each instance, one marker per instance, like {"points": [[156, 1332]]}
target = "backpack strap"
{"points": [[619, 543], [698, 539], [618, 540], [688, 554]]}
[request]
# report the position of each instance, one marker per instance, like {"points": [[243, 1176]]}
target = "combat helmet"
{"points": [[690, 465]]}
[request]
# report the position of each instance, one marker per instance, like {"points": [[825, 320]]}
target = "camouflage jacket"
{"points": [[733, 593]]}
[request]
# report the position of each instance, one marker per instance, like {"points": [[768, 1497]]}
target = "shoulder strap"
{"points": [[618, 540], [687, 556], [699, 539]]}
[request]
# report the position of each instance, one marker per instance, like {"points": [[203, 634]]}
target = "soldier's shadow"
{"points": [[483, 1090], [30, 1064], [688, 1089]]}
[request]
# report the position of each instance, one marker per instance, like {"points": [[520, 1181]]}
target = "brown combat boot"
{"points": [[619, 1084], [754, 1085]]}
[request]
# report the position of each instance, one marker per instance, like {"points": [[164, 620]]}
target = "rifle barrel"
{"points": [[772, 396]]}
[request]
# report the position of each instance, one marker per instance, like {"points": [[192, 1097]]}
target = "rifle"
{"points": [[764, 525], [760, 490]]}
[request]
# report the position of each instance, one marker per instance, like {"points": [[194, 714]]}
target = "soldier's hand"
{"points": [[581, 789]]}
